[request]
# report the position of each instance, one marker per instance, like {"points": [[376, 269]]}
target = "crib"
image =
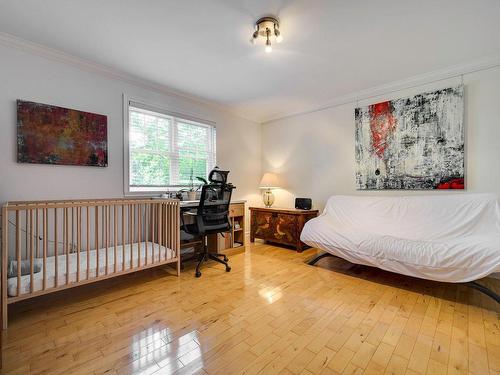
{"points": [[49, 246]]}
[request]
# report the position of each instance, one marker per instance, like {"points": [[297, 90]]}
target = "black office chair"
{"points": [[211, 216]]}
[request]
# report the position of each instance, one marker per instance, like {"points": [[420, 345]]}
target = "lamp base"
{"points": [[268, 198]]}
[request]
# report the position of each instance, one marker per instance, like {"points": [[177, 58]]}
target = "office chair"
{"points": [[211, 216]]}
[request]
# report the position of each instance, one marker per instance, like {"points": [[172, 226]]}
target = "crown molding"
{"points": [[395, 86], [373, 92], [12, 41]]}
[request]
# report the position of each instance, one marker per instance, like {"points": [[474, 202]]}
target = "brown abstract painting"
{"points": [[47, 134]]}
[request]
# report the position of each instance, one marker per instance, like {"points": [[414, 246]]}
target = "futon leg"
{"points": [[484, 290], [313, 261]]}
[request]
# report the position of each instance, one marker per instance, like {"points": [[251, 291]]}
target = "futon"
{"points": [[451, 238]]}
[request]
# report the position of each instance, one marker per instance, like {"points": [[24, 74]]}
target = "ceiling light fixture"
{"points": [[267, 28]]}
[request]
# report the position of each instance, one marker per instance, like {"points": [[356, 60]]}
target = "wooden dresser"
{"points": [[279, 225]]}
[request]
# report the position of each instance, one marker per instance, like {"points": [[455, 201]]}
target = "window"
{"points": [[167, 150]]}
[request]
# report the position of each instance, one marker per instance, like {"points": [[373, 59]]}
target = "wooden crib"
{"points": [[63, 244]]}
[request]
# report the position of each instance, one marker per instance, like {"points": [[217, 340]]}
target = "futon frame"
{"points": [[471, 284]]}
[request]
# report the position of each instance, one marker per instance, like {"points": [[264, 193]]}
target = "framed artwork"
{"points": [[47, 134], [412, 143]]}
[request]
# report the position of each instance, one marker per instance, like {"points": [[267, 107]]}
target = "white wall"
{"points": [[314, 153], [24, 75]]}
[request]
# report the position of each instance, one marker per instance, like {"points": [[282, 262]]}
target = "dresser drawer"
{"points": [[236, 210]]}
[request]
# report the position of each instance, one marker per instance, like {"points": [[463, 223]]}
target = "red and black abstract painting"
{"points": [[47, 134], [412, 143]]}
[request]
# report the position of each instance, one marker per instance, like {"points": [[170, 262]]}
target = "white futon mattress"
{"points": [[452, 238], [159, 253]]}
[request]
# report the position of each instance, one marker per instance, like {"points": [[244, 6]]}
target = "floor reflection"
{"points": [[271, 294], [161, 351]]}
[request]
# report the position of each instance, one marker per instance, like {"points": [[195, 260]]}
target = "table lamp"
{"points": [[269, 181]]}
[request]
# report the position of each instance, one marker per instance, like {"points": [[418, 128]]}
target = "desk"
{"points": [[236, 237]]}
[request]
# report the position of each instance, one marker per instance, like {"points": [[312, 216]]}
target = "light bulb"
{"points": [[279, 39], [269, 49]]}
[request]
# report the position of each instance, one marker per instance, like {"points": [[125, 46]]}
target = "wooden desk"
{"points": [[231, 240], [280, 225]]}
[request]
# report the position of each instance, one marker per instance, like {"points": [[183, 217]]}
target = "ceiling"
{"points": [[331, 48]]}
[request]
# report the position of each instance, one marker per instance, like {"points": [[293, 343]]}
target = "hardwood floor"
{"points": [[272, 314]]}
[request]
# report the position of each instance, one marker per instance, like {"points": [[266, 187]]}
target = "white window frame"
{"points": [[142, 104]]}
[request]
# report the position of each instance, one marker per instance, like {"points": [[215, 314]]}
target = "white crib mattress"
{"points": [[159, 254]]}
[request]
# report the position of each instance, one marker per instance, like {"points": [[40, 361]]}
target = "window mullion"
{"points": [[174, 158]]}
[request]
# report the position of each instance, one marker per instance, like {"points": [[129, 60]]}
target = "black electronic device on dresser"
{"points": [[303, 203]]}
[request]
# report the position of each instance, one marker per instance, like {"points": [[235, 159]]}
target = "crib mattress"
{"points": [[138, 257]]}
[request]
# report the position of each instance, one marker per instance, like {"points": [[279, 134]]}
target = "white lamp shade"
{"points": [[269, 181]]}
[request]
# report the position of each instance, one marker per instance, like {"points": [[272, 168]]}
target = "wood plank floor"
{"points": [[272, 314]]}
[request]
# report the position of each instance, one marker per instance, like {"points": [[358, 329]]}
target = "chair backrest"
{"points": [[213, 210], [217, 176]]}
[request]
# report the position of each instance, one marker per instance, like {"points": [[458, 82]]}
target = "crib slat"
{"points": [[5, 245], [26, 233], [123, 237], [178, 237], [37, 235], [146, 232], [136, 235], [56, 250], [168, 234], [115, 232], [172, 241], [153, 230], [78, 240], [87, 241], [169, 227], [103, 230], [139, 233], [157, 229], [72, 248], [166, 239], [65, 240], [97, 240], [45, 243], [18, 252], [32, 253], [131, 232], [66, 220], [106, 231], [160, 234]]}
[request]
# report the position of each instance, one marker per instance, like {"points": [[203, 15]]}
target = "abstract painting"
{"points": [[47, 134], [412, 143]]}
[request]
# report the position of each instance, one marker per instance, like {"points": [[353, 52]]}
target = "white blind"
{"points": [[167, 150]]}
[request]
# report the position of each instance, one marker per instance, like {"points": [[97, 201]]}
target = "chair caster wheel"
{"points": [[228, 269], [197, 274]]}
